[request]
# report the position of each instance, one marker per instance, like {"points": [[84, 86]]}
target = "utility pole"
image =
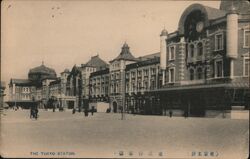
{"points": [[123, 91]]}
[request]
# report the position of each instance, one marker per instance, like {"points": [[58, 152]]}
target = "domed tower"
{"points": [[163, 53], [38, 73], [232, 37]]}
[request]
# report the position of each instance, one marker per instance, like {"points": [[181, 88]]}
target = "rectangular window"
{"points": [[153, 71], [246, 67], [171, 54], [132, 74], [218, 69], [247, 38], [218, 42], [139, 73], [171, 75]]}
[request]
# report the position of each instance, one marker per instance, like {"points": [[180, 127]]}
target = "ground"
{"points": [[64, 134]]}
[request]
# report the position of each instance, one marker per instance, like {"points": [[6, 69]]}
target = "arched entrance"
{"points": [[114, 107]]}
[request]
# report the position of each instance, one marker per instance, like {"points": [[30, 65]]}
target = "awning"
{"points": [[236, 85]]}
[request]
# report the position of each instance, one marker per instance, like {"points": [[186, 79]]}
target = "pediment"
{"points": [[171, 65], [218, 56]]}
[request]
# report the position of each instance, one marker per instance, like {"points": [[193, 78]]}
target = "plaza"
{"points": [[63, 134]]}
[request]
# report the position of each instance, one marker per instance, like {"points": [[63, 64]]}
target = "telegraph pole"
{"points": [[123, 91]]}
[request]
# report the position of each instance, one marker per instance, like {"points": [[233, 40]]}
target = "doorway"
{"points": [[115, 107]]}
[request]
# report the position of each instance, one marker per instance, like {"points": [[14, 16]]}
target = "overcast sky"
{"points": [[64, 33]]}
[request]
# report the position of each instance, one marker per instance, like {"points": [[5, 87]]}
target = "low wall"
{"points": [[231, 114], [175, 112], [99, 106]]}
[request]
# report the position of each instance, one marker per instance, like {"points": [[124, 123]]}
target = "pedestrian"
{"points": [[73, 111], [86, 112], [31, 112], [92, 110], [36, 113], [170, 113]]}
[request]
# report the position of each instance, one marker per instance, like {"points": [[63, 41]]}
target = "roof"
{"points": [[42, 69], [150, 56], [151, 61], [164, 32], [21, 82], [97, 62], [241, 6], [66, 71], [57, 81], [209, 12], [125, 54], [100, 72]]}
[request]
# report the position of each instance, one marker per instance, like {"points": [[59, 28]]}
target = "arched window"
{"points": [[199, 73], [200, 49], [191, 71], [192, 50]]}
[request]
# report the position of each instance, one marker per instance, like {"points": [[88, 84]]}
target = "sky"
{"points": [[64, 33]]}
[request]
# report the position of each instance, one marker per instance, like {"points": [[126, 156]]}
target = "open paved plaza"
{"points": [[63, 134]]}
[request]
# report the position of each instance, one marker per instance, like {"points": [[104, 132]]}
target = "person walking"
{"points": [[170, 113], [31, 112], [36, 113], [92, 110], [86, 112]]}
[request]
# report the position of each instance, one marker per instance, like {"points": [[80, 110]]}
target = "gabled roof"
{"points": [[97, 62], [125, 54]]}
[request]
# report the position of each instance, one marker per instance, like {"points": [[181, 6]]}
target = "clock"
{"points": [[199, 26]]}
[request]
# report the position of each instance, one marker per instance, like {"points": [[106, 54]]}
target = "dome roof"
{"points": [[164, 32], [42, 72], [66, 70]]}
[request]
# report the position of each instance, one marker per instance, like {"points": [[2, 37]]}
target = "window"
{"points": [[152, 84], [218, 42], [133, 74], [139, 73], [171, 75], [246, 67], [218, 68], [199, 73], [192, 50], [139, 86], [247, 38], [171, 54], [127, 87], [127, 75], [153, 71], [146, 85], [191, 72], [200, 49], [145, 72]]}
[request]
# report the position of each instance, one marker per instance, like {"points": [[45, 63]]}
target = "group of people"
{"points": [[86, 111], [33, 113]]}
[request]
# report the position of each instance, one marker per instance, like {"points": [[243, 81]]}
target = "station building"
{"points": [[34, 90], [202, 68], [205, 63]]}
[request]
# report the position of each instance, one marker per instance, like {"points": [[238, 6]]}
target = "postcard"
{"points": [[125, 79]]}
